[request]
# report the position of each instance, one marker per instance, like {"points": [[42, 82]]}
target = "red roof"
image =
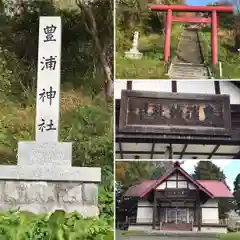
{"points": [[217, 188], [213, 188], [139, 189]]}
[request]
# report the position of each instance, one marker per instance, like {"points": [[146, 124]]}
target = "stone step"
{"points": [[188, 63], [188, 71], [177, 227], [188, 49]]}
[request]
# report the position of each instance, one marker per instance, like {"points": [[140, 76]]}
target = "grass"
{"points": [[229, 236], [230, 59], [221, 236], [18, 121], [151, 65]]}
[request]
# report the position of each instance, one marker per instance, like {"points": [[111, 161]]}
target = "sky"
{"points": [[199, 2], [231, 168]]}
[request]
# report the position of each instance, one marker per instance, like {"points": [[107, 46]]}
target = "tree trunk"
{"points": [[108, 75], [105, 66], [91, 27]]}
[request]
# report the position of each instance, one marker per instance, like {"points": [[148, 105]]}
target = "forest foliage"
{"points": [[134, 15]]}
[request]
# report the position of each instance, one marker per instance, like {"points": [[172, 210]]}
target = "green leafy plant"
{"points": [[56, 226]]}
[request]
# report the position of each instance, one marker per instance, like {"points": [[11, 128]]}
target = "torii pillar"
{"points": [[182, 8], [214, 38]]}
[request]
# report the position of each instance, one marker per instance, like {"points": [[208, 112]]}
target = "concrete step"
{"points": [[188, 71], [177, 227]]}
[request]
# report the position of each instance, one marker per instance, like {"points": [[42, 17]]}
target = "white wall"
{"points": [[210, 203], [183, 86], [191, 186], [144, 212], [204, 87], [173, 184], [210, 212], [173, 177], [161, 186]]}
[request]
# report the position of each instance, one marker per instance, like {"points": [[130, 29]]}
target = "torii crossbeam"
{"points": [[183, 8]]}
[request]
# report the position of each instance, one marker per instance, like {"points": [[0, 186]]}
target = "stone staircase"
{"points": [[188, 62], [177, 227], [187, 71]]}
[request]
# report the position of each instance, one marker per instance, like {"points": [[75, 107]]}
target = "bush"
{"points": [[56, 226]]}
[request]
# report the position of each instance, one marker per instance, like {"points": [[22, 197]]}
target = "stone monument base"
{"points": [[44, 181], [46, 197], [133, 54]]}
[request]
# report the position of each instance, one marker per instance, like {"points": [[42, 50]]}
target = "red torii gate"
{"points": [[183, 8]]}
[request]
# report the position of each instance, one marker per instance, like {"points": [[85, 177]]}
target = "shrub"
{"points": [[56, 226]]}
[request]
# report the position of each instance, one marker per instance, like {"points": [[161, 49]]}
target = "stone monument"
{"points": [[134, 53], [43, 179]]}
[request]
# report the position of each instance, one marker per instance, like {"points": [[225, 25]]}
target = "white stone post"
{"points": [[134, 53]]}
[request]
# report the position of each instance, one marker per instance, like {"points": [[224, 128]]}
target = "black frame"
{"points": [[164, 129]]}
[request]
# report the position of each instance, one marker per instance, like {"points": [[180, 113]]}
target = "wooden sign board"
{"points": [[176, 193], [174, 113]]}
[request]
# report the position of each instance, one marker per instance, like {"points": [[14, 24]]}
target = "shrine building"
{"points": [[175, 202], [177, 119]]}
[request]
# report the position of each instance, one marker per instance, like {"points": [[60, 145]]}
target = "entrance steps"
{"points": [[177, 227], [188, 71], [189, 50], [188, 62], [177, 235]]}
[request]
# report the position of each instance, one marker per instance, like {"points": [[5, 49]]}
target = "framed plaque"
{"points": [[174, 113]]}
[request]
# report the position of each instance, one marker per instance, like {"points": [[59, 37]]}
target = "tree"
{"points": [[237, 192], [231, 21], [87, 41], [206, 170], [135, 15], [128, 173], [236, 4], [160, 169], [98, 19], [157, 173], [237, 32]]}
